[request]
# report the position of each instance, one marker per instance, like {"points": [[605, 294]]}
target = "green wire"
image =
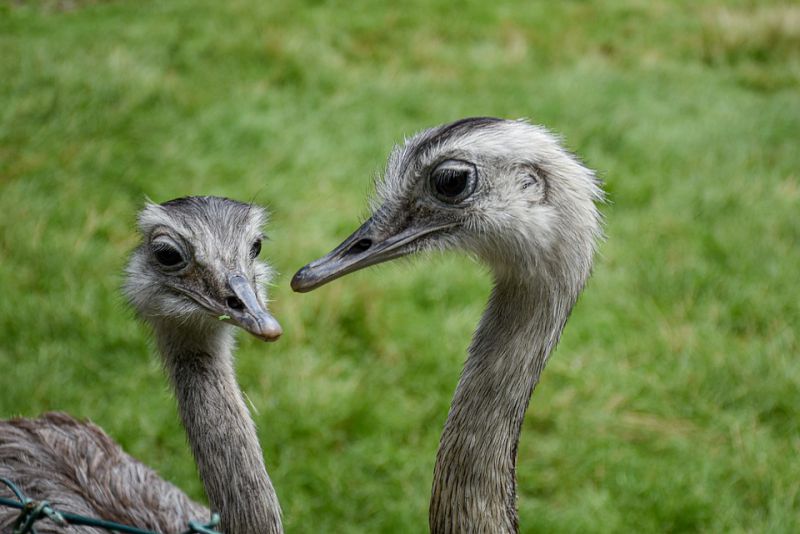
{"points": [[33, 511]]}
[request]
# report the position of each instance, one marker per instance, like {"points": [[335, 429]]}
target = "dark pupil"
{"points": [[255, 250], [168, 256], [451, 182]]}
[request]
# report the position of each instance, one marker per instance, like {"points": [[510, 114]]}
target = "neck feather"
{"points": [[219, 428], [474, 486]]}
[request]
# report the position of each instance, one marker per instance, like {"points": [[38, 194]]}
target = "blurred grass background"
{"points": [[672, 403]]}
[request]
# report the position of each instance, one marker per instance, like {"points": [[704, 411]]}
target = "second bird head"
{"points": [[197, 267]]}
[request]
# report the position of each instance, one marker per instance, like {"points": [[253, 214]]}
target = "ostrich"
{"points": [[193, 276], [508, 193]]}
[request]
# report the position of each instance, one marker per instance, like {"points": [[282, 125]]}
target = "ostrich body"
{"points": [[508, 193], [197, 262]]}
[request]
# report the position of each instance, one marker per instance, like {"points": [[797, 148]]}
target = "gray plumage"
{"points": [[197, 261], [509, 194], [78, 468]]}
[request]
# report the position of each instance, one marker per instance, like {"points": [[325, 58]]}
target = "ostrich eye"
{"points": [[255, 249], [453, 180], [167, 255]]}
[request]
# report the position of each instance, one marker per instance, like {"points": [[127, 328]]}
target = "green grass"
{"points": [[673, 401]]}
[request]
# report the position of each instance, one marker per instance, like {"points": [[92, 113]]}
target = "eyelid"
{"points": [[452, 163], [163, 236], [166, 242]]}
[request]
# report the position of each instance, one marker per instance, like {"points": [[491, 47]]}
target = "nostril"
{"points": [[360, 246], [234, 303]]}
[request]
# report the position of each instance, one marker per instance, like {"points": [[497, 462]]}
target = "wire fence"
{"points": [[32, 511]]}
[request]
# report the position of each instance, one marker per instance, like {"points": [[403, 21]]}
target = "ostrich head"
{"points": [[197, 268], [503, 190]]}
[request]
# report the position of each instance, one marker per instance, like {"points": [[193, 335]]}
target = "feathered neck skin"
{"points": [[219, 428], [474, 483]]}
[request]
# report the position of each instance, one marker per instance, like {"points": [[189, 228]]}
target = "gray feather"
{"points": [[78, 468]]}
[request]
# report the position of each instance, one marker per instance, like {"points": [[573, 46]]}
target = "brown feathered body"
{"points": [[77, 467]]}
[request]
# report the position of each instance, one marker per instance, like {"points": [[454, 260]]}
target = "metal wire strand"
{"points": [[32, 511]]}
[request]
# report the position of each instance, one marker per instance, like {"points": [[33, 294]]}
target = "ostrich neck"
{"points": [[474, 486], [220, 431]]}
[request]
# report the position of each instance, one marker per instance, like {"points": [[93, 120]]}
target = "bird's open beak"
{"points": [[249, 313], [366, 246]]}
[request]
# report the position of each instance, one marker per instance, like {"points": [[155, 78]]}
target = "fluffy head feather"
{"points": [[213, 238], [533, 203]]}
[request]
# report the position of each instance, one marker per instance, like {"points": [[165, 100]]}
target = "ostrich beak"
{"points": [[366, 246], [248, 312]]}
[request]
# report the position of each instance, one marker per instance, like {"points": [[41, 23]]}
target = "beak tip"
{"points": [[270, 329], [300, 281], [271, 336]]}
